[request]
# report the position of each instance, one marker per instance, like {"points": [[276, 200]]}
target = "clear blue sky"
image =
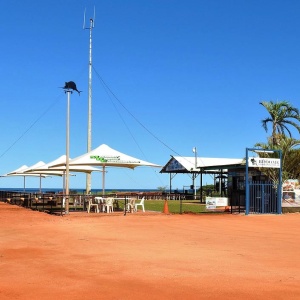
{"points": [[191, 72]]}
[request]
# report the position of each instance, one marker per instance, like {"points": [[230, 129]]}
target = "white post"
{"points": [[103, 181], [40, 183], [194, 175], [67, 150], [89, 130]]}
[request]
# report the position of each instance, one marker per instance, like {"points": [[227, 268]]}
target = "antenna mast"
{"points": [[89, 127]]}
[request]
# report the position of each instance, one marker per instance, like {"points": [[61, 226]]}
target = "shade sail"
{"points": [[52, 168], [34, 170], [18, 171], [108, 157], [21, 171], [105, 156], [59, 164]]}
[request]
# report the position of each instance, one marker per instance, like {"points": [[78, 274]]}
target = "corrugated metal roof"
{"points": [[180, 164]]}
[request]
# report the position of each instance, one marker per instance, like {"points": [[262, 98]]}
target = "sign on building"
{"points": [[260, 162]]}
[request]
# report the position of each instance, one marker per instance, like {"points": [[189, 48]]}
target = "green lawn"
{"points": [[174, 206]]}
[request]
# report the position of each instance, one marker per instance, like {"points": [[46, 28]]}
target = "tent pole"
{"points": [[103, 181], [64, 182]]}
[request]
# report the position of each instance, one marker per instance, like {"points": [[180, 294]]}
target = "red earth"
{"points": [[148, 256]]}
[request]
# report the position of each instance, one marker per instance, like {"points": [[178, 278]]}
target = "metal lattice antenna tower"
{"points": [[89, 127]]}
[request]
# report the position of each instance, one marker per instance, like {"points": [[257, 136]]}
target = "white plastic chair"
{"points": [[92, 204], [109, 205], [101, 203], [140, 204], [130, 207]]}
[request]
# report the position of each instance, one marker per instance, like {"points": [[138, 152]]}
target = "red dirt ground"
{"points": [[148, 256]]}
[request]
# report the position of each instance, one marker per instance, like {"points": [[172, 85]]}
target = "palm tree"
{"points": [[282, 114], [290, 157]]}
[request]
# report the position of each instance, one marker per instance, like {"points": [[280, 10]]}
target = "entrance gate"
{"points": [[263, 198]]}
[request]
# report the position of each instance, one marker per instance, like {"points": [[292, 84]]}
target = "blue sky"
{"points": [[189, 73]]}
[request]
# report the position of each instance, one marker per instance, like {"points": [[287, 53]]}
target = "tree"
{"points": [[282, 115], [162, 188], [290, 157]]}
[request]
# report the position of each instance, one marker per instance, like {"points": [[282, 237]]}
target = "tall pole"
{"points": [[279, 189], [69, 88], [201, 188], [247, 211], [194, 175], [89, 129], [67, 152]]}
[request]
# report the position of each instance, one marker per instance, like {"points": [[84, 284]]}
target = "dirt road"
{"points": [[148, 256]]}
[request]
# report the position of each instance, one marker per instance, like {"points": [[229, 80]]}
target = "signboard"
{"points": [[174, 165], [291, 193], [260, 162], [214, 202], [111, 159]]}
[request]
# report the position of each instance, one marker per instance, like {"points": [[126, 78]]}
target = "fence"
{"points": [[263, 198]]}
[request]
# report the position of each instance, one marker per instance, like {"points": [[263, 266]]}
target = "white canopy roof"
{"points": [[59, 165], [19, 170], [22, 171], [108, 157], [105, 156]]}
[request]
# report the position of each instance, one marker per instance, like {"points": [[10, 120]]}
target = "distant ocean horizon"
{"points": [[77, 190]]}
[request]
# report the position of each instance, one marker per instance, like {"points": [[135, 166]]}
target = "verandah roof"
{"points": [[205, 165]]}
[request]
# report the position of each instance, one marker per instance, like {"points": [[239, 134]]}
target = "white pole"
{"points": [[64, 183], [89, 130], [103, 181], [67, 150], [194, 175]]}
